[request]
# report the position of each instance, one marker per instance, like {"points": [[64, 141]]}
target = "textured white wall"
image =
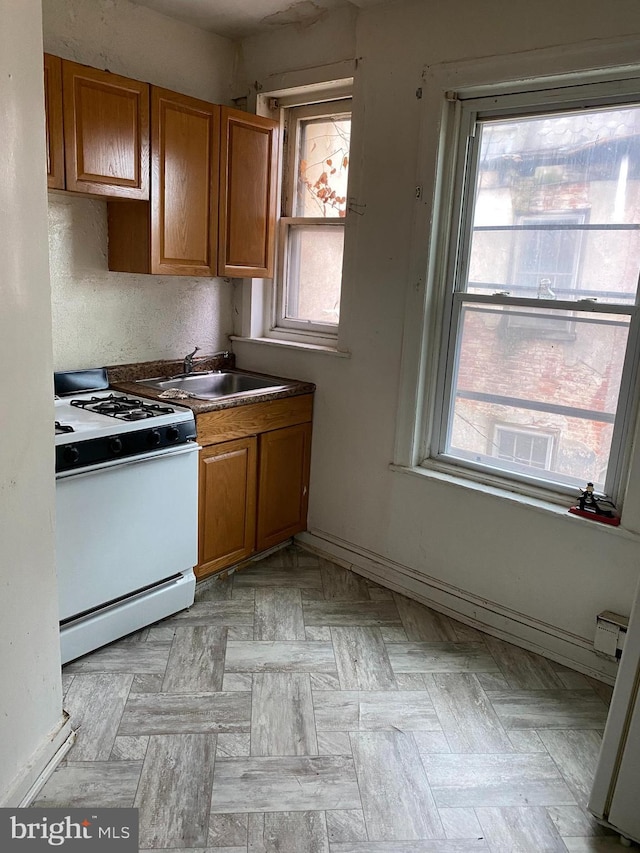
{"points": [[545, 566], [102, 317], [31, 692]]}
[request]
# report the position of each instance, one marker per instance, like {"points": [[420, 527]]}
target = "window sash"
{"points": [[626, 397], [462, 189], [282, 321], [316, 331], [293, 117]]}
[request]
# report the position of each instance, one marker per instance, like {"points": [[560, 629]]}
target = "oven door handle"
{"points": [[141, 459]]}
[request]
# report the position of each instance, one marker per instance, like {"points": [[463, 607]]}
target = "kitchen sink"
{"points": [[215, 384]]}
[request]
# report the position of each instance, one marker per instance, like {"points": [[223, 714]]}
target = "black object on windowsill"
{"points": [[597, 507]]}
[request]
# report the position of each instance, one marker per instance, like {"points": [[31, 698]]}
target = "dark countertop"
{"points": [[122, 377]]}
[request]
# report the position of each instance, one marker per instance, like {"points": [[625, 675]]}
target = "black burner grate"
{"points": [[124, 408]]}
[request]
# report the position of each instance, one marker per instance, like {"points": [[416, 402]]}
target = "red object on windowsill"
{"points": [[595, 516]]}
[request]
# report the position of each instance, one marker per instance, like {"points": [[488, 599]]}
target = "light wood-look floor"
{"points": [[298, 708]]}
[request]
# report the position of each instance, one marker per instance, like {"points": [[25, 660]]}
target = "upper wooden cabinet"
{"points": [[192, 186], [207, 161], [106, 132], [176, 233], [184, 184], [248, 194], [53, 121]]}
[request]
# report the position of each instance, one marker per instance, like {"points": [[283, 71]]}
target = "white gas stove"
{"points": [[97, 427], [126, 511]]}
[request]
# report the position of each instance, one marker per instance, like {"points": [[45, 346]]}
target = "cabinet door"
{"points": [[227, 504], [184, 186], [248, 194], [53, 121], [106, 132], [283, 484]]}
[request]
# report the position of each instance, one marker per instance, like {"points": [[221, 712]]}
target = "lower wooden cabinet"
{"points": [[254, 479], [227, 503], [283, 484]]}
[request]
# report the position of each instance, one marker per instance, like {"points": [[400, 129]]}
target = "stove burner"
{"points": [[124, 408], [61, 428], [138, 415]]}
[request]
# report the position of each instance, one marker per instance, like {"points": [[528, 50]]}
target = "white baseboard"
{"points": [[547, 640], [41, 765]]}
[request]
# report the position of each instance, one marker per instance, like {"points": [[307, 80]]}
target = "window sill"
{"points": [[536, 504], [295, 345]]}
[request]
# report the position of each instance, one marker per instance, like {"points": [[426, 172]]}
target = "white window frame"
{"points": [[314, 332], [544, 77]]}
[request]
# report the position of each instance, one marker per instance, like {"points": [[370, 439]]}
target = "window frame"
{"points": [[314, 332], [452, 236]]}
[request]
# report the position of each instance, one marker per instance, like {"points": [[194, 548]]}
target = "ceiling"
{"points": [[240, 18]]}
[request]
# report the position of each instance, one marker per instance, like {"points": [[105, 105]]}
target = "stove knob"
{"points": [[154, 438], [173, 433], [71, 454], [115, 445]]}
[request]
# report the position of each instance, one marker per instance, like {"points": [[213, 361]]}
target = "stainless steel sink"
{"points": [[215, 384]]}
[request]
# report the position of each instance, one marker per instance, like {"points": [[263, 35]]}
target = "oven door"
{"points": [[124, 527]]}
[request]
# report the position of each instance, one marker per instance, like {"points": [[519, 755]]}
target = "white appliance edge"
{"points": [[615, 795]]}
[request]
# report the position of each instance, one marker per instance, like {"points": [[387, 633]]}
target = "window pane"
{"points": [[315, 273], [557, 206], [323, 166], [537, 398]]}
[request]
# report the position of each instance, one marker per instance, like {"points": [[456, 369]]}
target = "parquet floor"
{"points": [[299, 708]]}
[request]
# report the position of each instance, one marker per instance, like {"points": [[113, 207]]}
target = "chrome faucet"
{"points": [[187, 364]]}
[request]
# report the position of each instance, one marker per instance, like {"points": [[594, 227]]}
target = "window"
{"points": [[523, 447], [546, 257], [314, 205], [545, 263], [538, 366]]}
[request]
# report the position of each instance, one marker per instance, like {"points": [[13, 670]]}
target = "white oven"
{"points": [[126, 517]]}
